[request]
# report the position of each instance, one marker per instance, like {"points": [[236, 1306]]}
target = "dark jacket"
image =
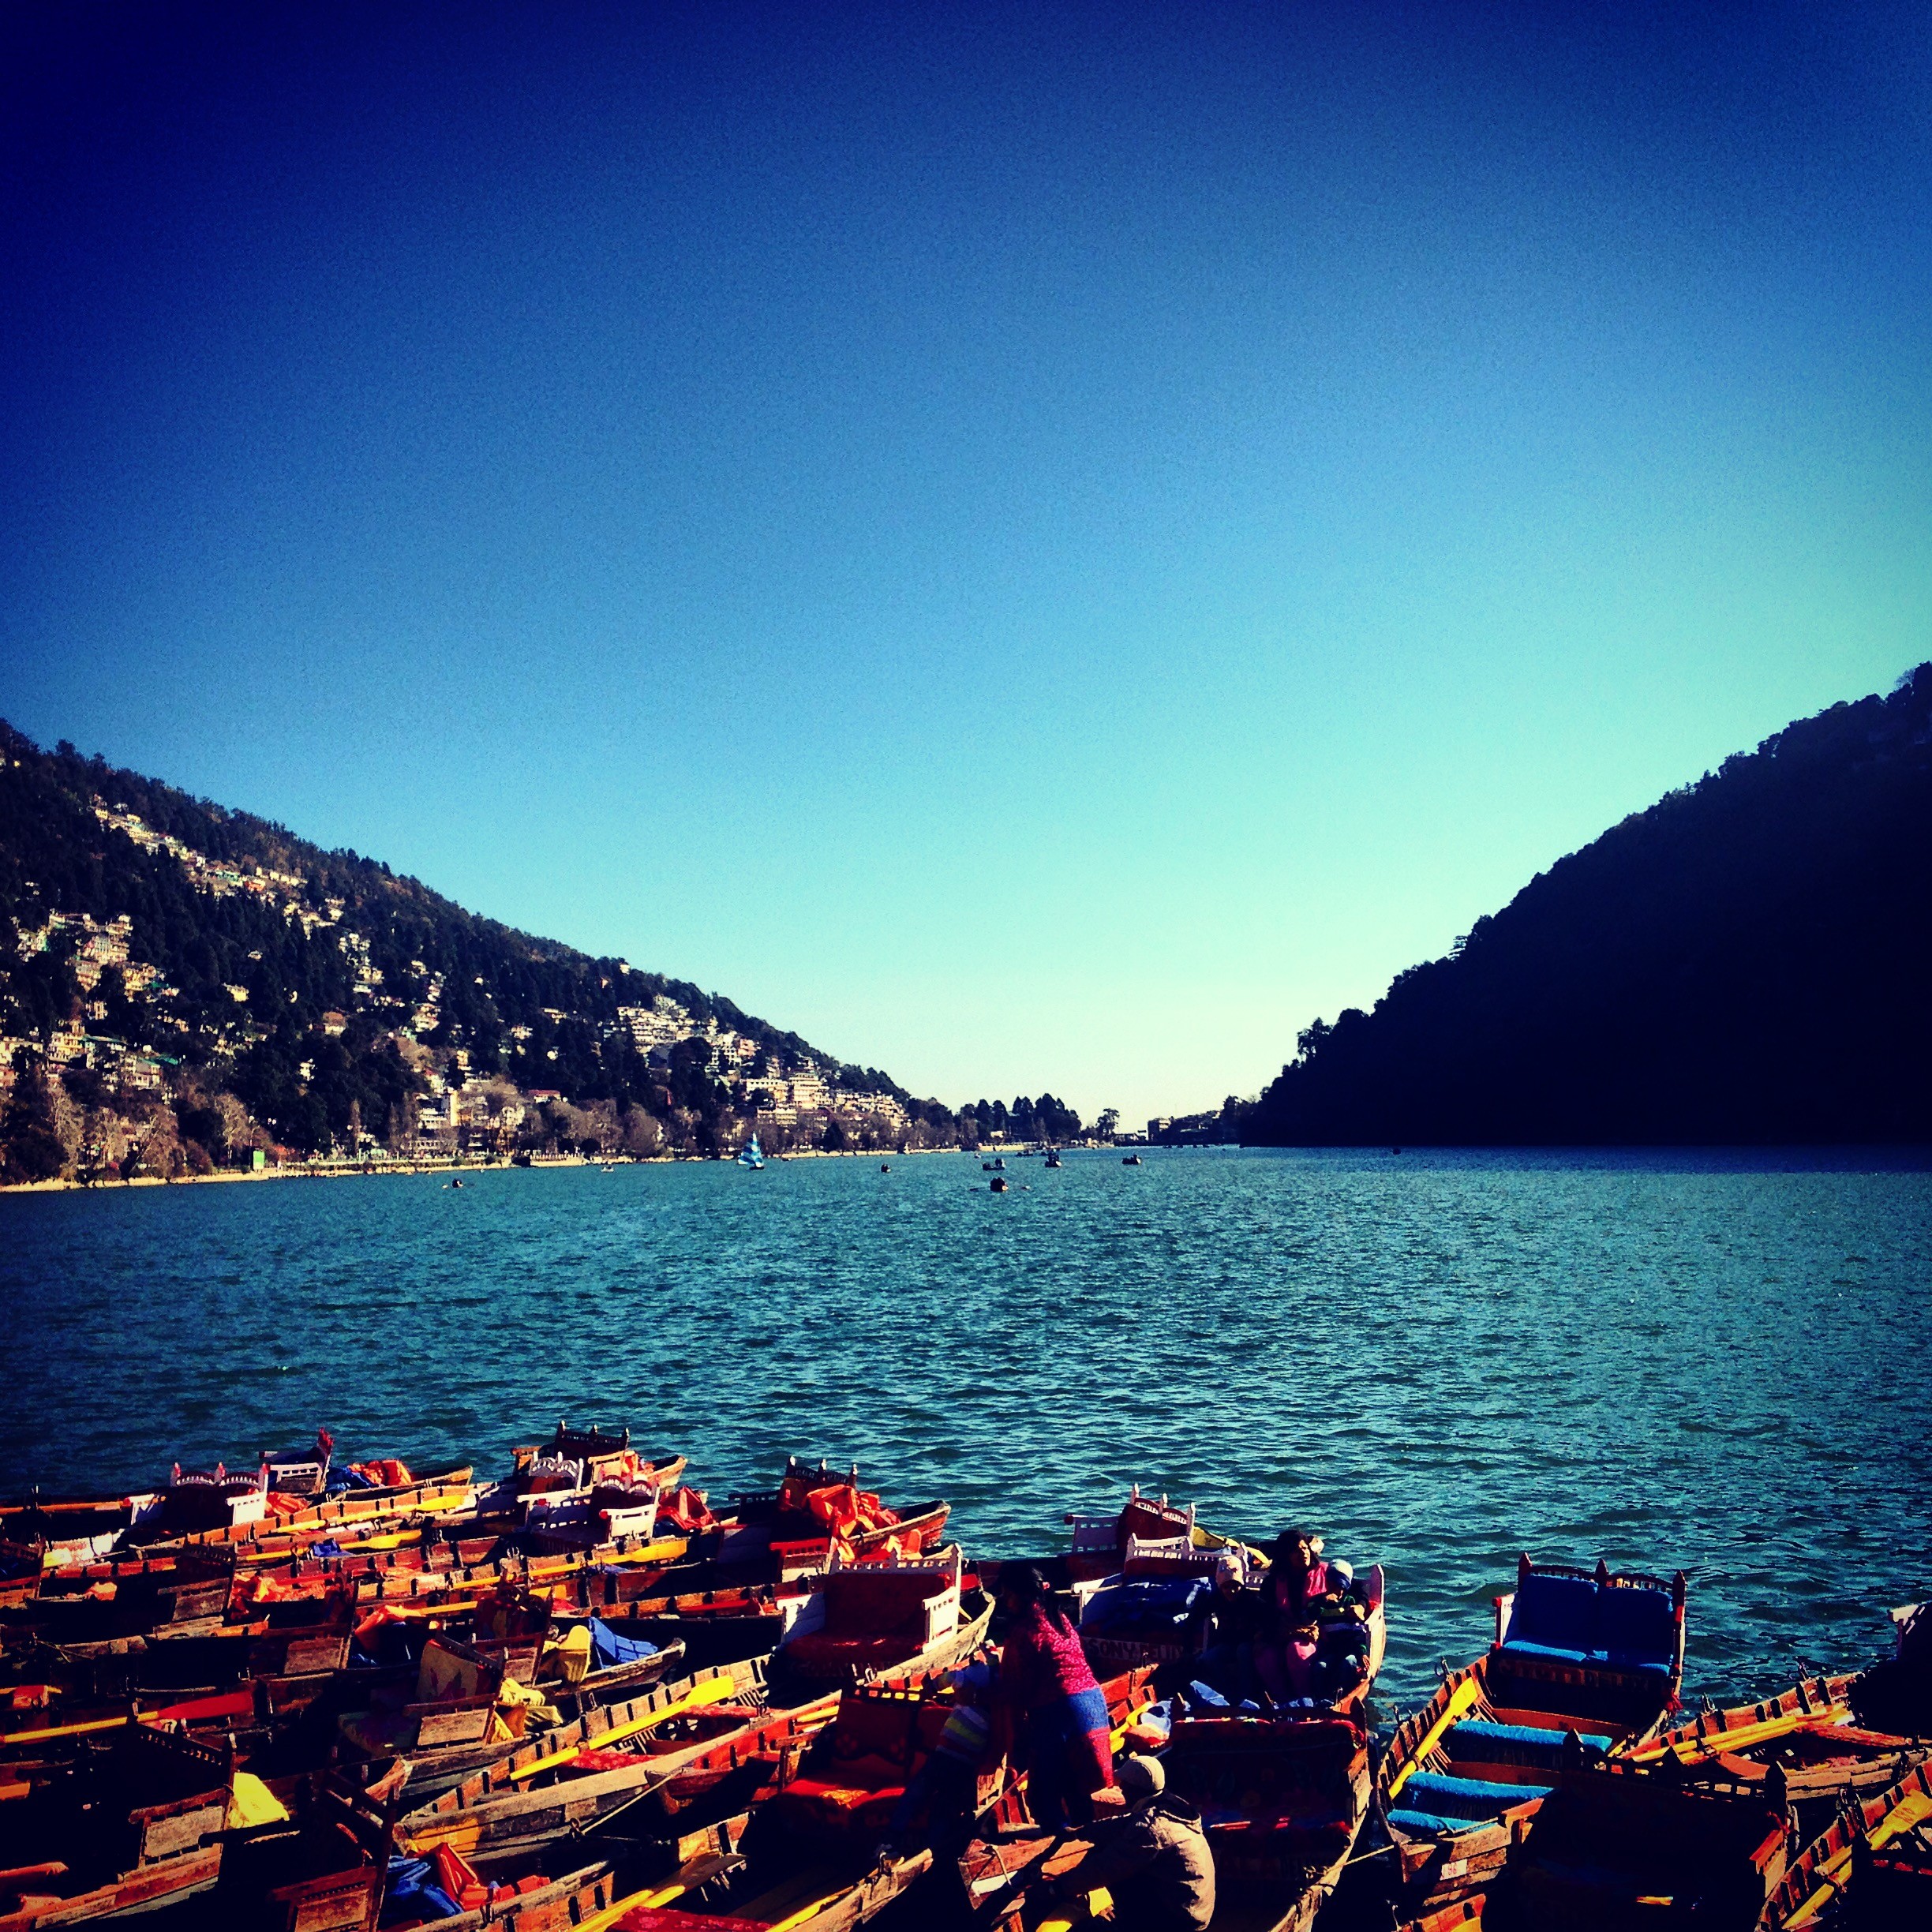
{"points": [[1155, 1862]]}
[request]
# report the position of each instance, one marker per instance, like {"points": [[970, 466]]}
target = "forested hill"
{"points": [[1746, 961], [195, 982]]}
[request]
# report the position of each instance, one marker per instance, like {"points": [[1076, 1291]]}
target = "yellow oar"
{"points": [[1692, 1749], [599, 1921], [1099, 1900], [76, 1730], [1462, 1701], [1900, 1819], [718, 1690]]}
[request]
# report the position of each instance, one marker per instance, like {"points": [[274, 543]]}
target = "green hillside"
{"points": [[1744, 962], [162, 953]]}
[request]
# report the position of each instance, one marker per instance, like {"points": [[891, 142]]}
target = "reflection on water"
{"points": [[1711, 1362]]}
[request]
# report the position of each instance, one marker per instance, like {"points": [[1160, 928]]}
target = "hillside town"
{"points": [[269, 1018]]}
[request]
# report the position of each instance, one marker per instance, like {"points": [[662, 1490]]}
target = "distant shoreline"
{"points": [[372, 1171]]}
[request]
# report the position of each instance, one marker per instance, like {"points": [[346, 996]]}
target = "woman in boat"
{"points": [[1298, 1585], [1061, 1736]]}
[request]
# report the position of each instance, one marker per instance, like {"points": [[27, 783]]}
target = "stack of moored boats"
{"points": [[326, 1696]]}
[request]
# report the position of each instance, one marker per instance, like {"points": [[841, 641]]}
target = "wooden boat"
{"points": [[132, 1827], [1282, 1800], [1170, 1598], [1615, 1845], [29, 1749], [794, 1528], [654, 1563], [861, 1620], [1802, 1741], [1010, 1852], [123, 1605], [815, 1858], [1580, 1660], [477, 1814], [1896, 1695], [1871, 1866], [533, 1902], [715, 1628], [316, 1856], [282, 1535]]}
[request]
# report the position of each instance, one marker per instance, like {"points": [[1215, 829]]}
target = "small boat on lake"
{"points": [[862, 1620], [1581, 1661], [1871, 1866], [1053, 1157], [751, 1154], [1803, 1743], [1130, 1160]]}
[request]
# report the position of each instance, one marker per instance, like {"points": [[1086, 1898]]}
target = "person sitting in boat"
{"points": [[1297, 1590], [1287, 1670], [1299, 1583], [1053, 1703], [945, 1788], [1150, 1852]]}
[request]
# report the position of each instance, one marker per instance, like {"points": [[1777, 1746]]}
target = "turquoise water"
{"points": [[1710, 1362]]}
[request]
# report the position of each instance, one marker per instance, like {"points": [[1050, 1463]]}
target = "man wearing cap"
{"points": [[1149, 1851]]}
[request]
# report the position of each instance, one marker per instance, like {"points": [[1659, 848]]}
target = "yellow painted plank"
{"points": [[599, 1921], [718, 1690], [1462, 1701]]}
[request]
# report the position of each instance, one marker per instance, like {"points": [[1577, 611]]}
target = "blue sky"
{"points": [[1043, 547]]}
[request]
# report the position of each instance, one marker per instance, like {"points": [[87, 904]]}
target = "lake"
{"points": [[1711, 1361]]}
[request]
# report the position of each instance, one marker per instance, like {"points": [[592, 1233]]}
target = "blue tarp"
{"points": [[412, 1893], [607, 1649]]}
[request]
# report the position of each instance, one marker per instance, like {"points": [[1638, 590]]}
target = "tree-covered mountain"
{"points": [[180, 983], [1746, 961]]}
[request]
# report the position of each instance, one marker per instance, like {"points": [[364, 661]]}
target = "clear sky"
{"points": [[1043, 547]]}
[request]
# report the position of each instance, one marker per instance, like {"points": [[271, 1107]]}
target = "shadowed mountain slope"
{"points": [[1746, 961]]}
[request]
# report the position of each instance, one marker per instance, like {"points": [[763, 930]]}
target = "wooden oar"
{"points": [[715, 1690], [599, 1921], [1910, 1811], [1462, 1701], [1694, 1750], [1099, 1900]]}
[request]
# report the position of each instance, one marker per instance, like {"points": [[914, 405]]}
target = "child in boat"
{"points": [[946, 1786], [1054, 1704]]}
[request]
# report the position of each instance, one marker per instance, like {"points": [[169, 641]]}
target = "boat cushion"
{"points": [[1477, 1737], [822, 1805], [1433, 1825], [610, 1648], [1636, 1628], [1521, 1646], [1559, 1610], [1163, 1605], [1470, 1797]]}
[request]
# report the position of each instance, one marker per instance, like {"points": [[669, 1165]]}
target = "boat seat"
{"points": [[822, 1651], [1433, 1825], [1622, 1626], [1487, 1743], [1562, 1654], [825, 1805], [1468, 1799]]}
